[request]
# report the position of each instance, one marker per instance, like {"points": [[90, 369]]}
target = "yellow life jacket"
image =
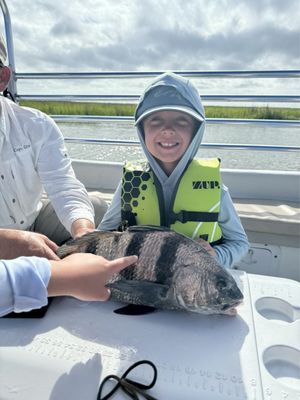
{"points": [[195, 206]]}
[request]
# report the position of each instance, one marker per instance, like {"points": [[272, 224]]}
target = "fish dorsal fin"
{"points": [[153, 228], [81, 244], [143, 228]]}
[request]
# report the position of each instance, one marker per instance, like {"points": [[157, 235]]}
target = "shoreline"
{"points": [[120, 109]]}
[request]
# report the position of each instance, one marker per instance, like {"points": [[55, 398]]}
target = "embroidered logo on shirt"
{"points": [[21, 148]]}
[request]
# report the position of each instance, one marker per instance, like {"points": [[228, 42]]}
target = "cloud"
{"points": [[155, 35], [66, 27]]}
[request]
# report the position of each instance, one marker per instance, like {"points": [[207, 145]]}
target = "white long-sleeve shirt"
{"points": [[33, 157], [23, 284]]}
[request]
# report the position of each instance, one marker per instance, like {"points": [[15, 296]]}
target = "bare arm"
{"points": [[15, 243], [81, 226], [84, 276]]}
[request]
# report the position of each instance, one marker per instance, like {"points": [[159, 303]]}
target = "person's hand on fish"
{"points": [[81, 226], [15, 243], [84, 276], [207, 247]]}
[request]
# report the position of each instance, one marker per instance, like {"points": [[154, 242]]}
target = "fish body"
{"points": [[172, 271]]}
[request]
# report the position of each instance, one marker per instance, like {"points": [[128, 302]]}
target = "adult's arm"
{"points": [[81, 226], [67, 194]]}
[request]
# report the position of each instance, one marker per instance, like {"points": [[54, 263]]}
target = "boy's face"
{"points": [[168, 135]]}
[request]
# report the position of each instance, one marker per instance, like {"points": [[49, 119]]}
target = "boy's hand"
{"points": [[207, 247]]}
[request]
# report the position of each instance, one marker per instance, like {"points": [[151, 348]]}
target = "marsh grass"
{"points": [[115, 109]]}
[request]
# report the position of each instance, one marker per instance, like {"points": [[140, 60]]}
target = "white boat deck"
{"points": [[254, 355]]}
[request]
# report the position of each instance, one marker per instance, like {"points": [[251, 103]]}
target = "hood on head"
{"points": [[171, 92], [162, 98]]}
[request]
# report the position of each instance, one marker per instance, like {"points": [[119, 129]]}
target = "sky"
{"points": [[145, 35]]}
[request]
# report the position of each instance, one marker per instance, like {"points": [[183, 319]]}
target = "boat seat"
{"points": [[265, 221], [271, 222]]}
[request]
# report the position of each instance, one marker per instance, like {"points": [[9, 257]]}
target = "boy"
{"points": [[173, 189]]}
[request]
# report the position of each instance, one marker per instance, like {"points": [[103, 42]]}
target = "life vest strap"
{"points": [[196, 216], [217, 242]]}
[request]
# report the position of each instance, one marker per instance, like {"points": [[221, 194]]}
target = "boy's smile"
{"points": [[168, 135]]}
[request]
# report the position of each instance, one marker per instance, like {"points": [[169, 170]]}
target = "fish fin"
{"points": [[134, 309], [147, 293], [143, 228], [81, 244]]}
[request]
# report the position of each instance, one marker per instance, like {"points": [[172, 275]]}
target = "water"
{"points": [[231, 134]]}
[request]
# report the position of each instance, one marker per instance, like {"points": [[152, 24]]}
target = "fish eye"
{"points": [[221, 284]]}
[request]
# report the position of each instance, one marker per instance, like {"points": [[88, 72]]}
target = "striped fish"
{"points": [[172, 271]]}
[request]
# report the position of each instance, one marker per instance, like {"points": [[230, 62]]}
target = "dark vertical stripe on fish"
{"points": [[167, 258], [92, 247], [135, 246], [114, 246]]}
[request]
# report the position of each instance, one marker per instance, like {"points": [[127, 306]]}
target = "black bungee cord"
{"points": [[129, 386]]}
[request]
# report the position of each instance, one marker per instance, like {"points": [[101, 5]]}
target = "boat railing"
{"points": [[125, 98]]}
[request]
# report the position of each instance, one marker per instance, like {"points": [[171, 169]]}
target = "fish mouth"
{"points": [[230, 306]]}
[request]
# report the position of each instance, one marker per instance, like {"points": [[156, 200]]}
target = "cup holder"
{"points": [[283, 363], [273, 308]]}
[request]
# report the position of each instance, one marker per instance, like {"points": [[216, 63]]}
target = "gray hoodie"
{"points": [[173, 92]]}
